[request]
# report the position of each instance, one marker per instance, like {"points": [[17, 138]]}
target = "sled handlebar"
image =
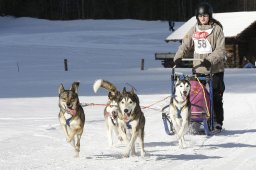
{"points": [[189, 59], [192, 59]]}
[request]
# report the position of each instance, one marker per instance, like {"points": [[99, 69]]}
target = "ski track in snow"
{"points": [[38, 143]]}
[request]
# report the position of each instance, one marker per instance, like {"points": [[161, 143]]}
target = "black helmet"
{"points": [[204, 8]]}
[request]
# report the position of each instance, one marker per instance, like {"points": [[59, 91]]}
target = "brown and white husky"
{"points": [[71, 115]]}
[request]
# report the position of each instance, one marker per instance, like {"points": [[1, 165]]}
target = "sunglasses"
{"points": [[203, 15]]}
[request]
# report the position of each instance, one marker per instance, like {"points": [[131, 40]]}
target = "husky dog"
{"points": [[71, 115], [132, 121], [180, 110], [111, 110]]}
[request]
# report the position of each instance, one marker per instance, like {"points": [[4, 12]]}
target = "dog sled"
{"points": [[201, 103]]}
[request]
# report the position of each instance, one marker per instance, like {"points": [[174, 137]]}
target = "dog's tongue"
{"points": [[184, 97], [72, 112], [126, 118]]}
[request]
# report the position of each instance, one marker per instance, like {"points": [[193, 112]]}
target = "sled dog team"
{"points": [[122, 114]]}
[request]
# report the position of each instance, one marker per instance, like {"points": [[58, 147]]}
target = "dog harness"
{"points": [[71, 115], [107, 114], [179, 111], [68, 117], [129, 126], [68, 121]]}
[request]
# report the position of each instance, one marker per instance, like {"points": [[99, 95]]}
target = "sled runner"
{"points": [[201, 103]]}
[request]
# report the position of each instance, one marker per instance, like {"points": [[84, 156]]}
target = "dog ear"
{"points": [[178, 80], [117, 95], [61, 88], [133, 91], [75, 86]]}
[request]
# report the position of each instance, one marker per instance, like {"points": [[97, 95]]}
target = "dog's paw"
{"points": [[177, 137], [142, 154], [76, 155], [120, 138], [68, 140], [77, 148], [133, 153], [182, 146], [126, 153]]}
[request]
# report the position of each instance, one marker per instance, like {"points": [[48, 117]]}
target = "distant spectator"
{"points": [[247, 63], [171, 25]]}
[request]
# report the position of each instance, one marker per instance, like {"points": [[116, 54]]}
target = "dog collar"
{"points": [[177, 100]]}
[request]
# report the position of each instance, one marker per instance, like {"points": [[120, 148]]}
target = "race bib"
{"points": [[201, 44]]}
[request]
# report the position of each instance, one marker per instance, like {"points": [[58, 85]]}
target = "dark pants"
{"points": [[218, 90]]}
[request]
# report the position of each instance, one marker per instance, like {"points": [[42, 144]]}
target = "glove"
{"points": [[178, 62], [206, 63]]}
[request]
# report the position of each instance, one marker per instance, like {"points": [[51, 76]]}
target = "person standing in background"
{"points": [[171, 25]]}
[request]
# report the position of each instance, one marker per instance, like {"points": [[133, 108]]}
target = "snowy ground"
{"points": [[31, 137]]}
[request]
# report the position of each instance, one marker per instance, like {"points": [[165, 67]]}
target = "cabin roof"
{"points": [[234, 24]]}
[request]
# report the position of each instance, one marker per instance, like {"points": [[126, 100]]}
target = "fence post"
{"points": [[18, 66], [142, 64], [66, 64]]}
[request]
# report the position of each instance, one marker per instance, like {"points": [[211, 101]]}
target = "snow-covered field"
{"points": [[31, 69]]}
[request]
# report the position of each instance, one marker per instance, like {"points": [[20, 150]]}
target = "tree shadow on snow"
{"points": [[236, 132], [95, 121], [108, 156], [231, 145], [184, 157], [155, 144]]}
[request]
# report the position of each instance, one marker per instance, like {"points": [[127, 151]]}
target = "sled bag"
{"points": [[199, 99]]}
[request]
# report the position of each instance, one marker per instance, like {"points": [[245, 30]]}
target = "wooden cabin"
{"points": [[240, 36]]}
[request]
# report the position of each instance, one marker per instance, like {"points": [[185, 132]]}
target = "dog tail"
{"points": [[104, 84]]}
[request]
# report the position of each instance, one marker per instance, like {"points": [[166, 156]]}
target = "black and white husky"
{"points": [[111, 109], [180, 110], [132, 121]]}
